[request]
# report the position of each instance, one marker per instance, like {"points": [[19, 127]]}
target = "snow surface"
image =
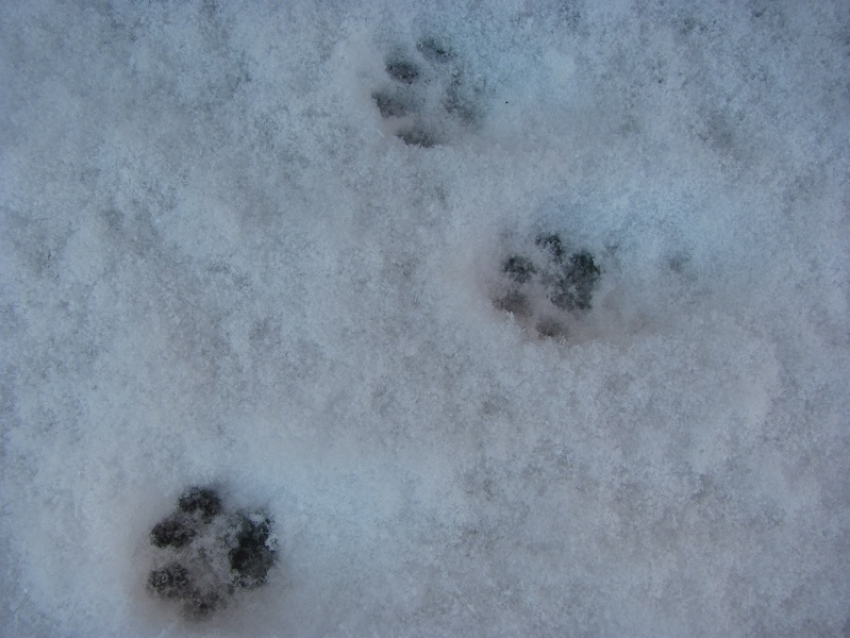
{"points": [[219, 265]]}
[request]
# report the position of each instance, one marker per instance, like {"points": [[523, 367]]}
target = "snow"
{"points": [[219, 264]]}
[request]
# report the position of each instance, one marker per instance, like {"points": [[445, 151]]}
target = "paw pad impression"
{"points": [[208, 553], [544, 287], [428, 96]]}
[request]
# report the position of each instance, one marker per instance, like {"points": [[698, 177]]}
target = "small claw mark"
{"points": [[403, 71], [201, 604], [391, 105], [434, 51], [459, 106], [515, 303], [552, 243], [417, 137], [550, 328]]}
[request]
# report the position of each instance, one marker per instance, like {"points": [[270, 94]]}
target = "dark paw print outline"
{"points": [[544, 288], [208, 553], [405, 101]]}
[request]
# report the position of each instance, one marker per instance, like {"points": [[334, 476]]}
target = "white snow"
{"points": [[219, 265]]}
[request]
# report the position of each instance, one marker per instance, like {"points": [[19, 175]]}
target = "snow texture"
{"points": [[268, 246]]}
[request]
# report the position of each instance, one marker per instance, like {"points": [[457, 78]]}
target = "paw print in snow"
{"points": [[208, 554], [546, 287], [428, 98]]}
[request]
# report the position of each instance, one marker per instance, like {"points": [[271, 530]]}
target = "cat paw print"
{"points": [[428, 97], [546, 286], [208, 554]]}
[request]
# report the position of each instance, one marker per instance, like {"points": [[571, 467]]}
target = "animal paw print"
{"points": [[208, 554], [428, 98], [543, 289]]}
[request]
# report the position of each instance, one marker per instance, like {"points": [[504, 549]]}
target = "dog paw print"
{"points": [[428, 97], [208, 554], [543, 288]]}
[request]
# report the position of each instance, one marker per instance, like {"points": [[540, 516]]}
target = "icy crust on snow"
{"points": [[305, 253]]}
